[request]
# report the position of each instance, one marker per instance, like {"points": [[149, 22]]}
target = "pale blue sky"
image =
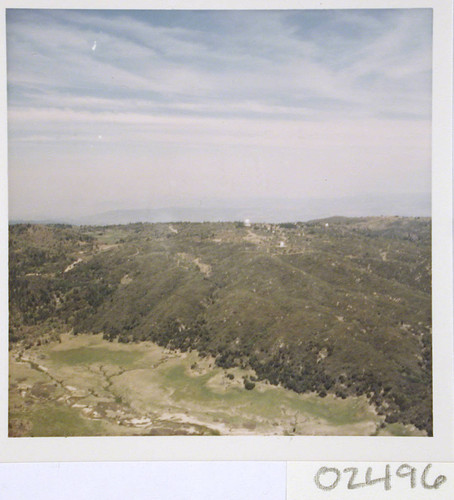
{"points": [[141, 109]]}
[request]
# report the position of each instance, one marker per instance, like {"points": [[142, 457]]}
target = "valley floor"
{"points": [[85, 385]]}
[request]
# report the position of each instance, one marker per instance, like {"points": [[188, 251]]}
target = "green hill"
{"points": [[338, 306]]}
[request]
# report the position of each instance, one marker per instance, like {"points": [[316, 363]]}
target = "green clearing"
{"points": [[180, 394], [90, 355], [52, 420], [87, 386], [267, 402]]}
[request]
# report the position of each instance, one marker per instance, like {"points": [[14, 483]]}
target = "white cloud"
{"points": [[186, 129], [191, 110], [179, 63]]}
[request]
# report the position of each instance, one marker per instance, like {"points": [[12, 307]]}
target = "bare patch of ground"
{"points": [[73, 265], [186, 258], [126, 280]]}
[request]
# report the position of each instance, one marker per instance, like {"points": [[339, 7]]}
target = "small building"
{"points": [[247, 223], [282, 244]]}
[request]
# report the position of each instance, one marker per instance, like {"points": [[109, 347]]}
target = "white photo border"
{"points": [[440, 447]]}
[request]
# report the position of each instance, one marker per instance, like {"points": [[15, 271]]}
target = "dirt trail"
{"points": [[73, 265]]}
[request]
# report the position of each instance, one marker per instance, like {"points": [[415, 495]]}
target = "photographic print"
{"points": [[220, 222]]}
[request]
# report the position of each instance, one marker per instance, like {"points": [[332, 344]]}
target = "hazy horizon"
{"points": [[140, 110], [256, 210]]}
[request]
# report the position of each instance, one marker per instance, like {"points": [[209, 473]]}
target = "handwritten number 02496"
{"points": [[328, 478]]}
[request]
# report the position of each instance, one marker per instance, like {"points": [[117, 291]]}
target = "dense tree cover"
{"points": [[343, 308]]}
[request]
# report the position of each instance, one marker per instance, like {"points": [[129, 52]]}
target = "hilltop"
{"points": [[339, 305]]}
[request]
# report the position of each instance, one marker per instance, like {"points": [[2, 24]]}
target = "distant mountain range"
{"points": [[264, 210]]}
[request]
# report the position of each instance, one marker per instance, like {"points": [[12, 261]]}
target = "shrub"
{"points": [[248, 384]]}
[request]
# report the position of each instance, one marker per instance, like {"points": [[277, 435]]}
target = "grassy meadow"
{"points": [[85, 385]]}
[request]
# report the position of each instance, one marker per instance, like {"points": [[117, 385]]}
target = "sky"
{"points": [[146, 109]]}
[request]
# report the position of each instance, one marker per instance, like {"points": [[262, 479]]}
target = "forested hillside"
{"points": [[337, 306]]}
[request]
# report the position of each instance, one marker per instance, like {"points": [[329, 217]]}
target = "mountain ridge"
{"points": [[334, 305]]}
